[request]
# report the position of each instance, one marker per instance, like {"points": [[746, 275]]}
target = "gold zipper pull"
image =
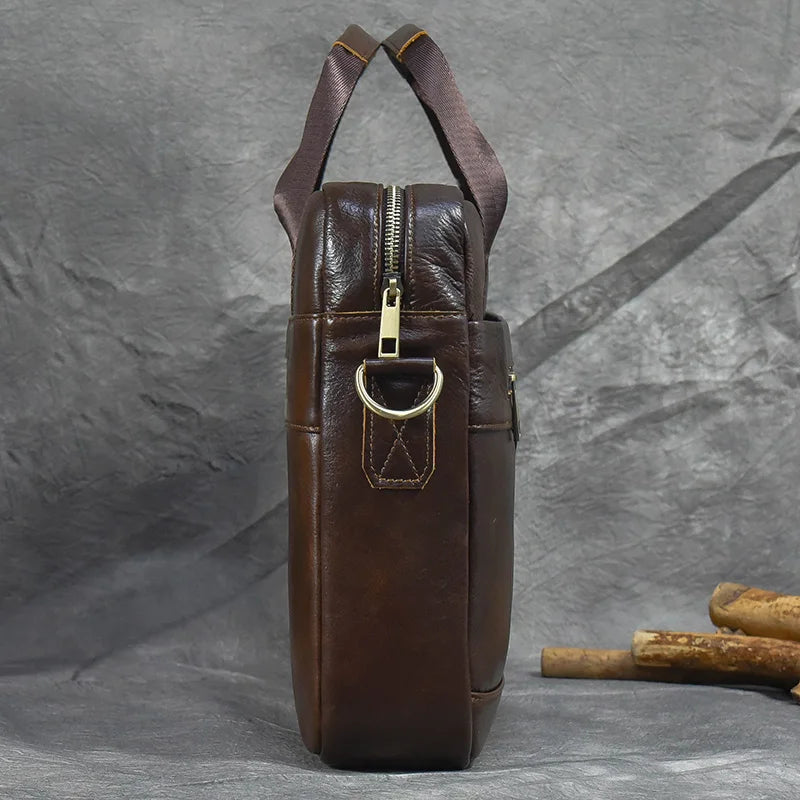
{"points": [[389, 339]]}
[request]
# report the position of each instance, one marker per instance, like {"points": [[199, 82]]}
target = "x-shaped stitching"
{"points": [[398, 433]]}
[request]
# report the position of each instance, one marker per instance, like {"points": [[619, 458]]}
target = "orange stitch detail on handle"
{"points": [[351, 51], [409, 42]]}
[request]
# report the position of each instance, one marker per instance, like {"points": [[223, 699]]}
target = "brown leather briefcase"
{"points": [[401, 433]]}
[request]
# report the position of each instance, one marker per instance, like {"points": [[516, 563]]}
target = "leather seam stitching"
{"points": [[399, 440], [398, 437], [364, 448], [468, 662], [372, 444], [403, 444], [291, 298], [320, 576], [430, 422], [412, 206], [296, 426], [430, 449], [325, 234], [427, 463], [376, 244]]}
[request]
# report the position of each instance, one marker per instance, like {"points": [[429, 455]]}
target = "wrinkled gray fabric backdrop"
{"points": [[144, 284]]}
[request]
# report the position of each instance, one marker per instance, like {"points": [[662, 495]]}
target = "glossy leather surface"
{"points": [[401, 533]]}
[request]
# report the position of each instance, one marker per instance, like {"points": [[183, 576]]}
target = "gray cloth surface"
{"points": [[143, 298]]}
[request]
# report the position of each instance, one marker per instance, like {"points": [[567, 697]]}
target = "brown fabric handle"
{"points": [[470, 156], [423, 65], [347, 59]]}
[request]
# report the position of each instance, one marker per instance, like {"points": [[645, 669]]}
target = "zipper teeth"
{"points": [[393, 228]]}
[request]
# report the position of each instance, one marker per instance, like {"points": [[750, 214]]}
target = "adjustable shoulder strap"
{"points": [[347, 59], [470, 156]]}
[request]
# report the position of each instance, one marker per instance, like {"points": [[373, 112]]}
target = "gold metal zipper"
{"points": [[391, 295], [393, 228], [392, 288]]}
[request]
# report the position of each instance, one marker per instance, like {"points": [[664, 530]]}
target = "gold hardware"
{"points": [[393, 229], [392, 413], [389, 337]]}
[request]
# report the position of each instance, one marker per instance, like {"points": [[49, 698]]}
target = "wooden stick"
{"points": [[775, 660], [579, 662], [619, 665], [756, 611]]}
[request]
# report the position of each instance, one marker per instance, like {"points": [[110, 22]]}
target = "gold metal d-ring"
{"points": [[403, 413]]}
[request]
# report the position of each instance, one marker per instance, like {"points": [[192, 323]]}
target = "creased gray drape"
{"points": [[647, 267]]}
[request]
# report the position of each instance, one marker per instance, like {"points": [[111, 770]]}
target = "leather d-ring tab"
{"points": [[399, 453], [399, 366]]}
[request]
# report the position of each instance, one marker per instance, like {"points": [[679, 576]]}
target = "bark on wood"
{"points": [[579, 662], [756, 612], [774, 660]]}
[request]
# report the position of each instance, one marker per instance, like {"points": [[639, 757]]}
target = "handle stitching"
{"points": [[351, 50], [409, 42]]}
